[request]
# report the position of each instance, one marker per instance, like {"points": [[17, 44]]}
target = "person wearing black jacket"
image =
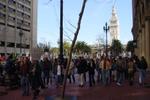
{"points": [[47, 68], [91, 70], [142, 70], [36, 81], [82, 68]]}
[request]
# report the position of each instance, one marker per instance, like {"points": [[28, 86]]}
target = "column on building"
{"points": [[143, 42], [147, 31]]}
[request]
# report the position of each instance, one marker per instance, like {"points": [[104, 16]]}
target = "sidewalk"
{"points": [[97, 92]]}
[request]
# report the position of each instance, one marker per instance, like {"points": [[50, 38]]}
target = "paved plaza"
{"points": [[97, 92]]}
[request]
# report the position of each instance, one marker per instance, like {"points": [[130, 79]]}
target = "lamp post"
{"points": [[20, 35], [106, 28], [61, 31]]}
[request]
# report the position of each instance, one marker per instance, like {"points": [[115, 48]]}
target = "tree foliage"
{"points": [[67, 46], [130, 46], [45, 46], [116, 47], [54, 50], [82, 47], [100, 40]]}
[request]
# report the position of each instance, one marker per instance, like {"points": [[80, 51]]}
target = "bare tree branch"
{"points": [[71, 24], [47, 2], [70, 30], [72, 46], [67, 36]]}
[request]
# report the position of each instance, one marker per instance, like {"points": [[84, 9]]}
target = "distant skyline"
{"points": [[97, 13]]}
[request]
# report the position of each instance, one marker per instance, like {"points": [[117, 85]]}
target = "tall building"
{"points": [[114, 26], [141, 28], [18, 26]]}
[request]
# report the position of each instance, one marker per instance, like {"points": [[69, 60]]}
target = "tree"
{"points": [[100, 40], [54, 51], [82, 47], [66, 47], [116, 47], [130, 47], [45, 46], [72, 46]]}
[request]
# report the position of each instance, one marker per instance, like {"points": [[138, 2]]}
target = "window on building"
{"points": [[27, 9], [19, 14], [10, 44], [26, 23], [11, 10], [2, 7], [28, 2], [2, 43], [11, 2], [28, 46], [18, 45], [11, 19], [2, 16], [19, 22], [20, 6], [26, 16]]}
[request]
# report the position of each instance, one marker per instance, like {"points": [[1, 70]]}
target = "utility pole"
{"points": [[61, 32], [106, 29]]}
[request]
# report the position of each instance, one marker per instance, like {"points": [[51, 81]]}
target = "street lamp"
{"points": [[20, 35], [106, 28]]}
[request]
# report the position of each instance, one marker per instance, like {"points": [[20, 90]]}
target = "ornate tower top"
{"points": [[114, 25]]}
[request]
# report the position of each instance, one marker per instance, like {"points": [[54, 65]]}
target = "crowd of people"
{"points": [[39, 74]]}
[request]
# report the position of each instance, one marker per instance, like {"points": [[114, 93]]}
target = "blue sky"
{"points": [[97, 12]]}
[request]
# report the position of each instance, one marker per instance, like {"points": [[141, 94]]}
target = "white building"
{"points": [[114, 26], [18, 26]]}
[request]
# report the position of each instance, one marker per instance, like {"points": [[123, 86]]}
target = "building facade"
{"points": [[141, 28], [18, 26], [114, 26]]}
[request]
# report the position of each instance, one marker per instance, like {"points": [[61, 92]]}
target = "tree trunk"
{"points": [[72, 47]]}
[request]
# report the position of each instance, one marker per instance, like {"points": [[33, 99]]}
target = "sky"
{"points": [[97, 13]]}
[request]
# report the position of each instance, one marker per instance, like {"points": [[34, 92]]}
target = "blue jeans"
{"points": [[46, 76], [99, 74], [120, 77], [25, 85], [105, 77], [142, 74], [59, 79]]}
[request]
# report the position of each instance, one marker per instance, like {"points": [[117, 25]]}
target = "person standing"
{"points": [[142, 70], [120, 73], [46, 69], [71, 72], [130, 71], [91, 69], [81, 67], [105, 66], [25, 69], [113, 70], [36, 82], [59, 74]]}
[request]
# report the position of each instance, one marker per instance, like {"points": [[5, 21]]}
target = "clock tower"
{"points": [[114, 26]]}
